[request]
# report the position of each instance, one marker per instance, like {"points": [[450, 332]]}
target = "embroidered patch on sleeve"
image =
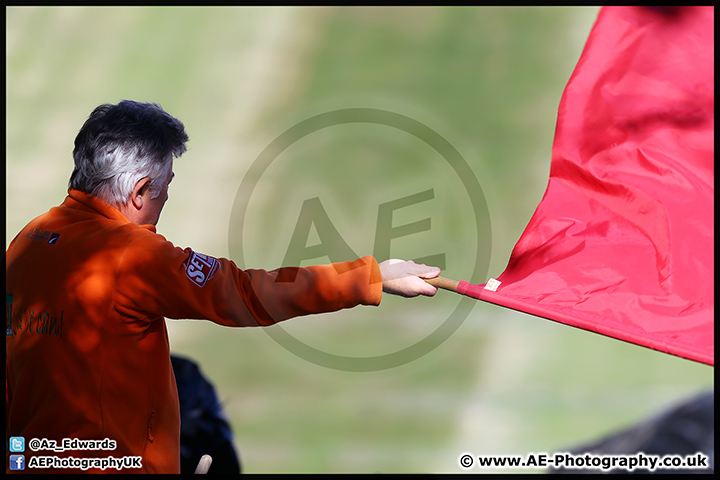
{"points": [[200, 268]]}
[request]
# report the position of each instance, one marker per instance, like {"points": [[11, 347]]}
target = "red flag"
{"points": [[622, 242]]}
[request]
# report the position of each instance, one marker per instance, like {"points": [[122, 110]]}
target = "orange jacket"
{"points": [[87, 349]]}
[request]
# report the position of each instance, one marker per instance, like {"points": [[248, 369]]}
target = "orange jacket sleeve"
{"points": [[155, 278]]}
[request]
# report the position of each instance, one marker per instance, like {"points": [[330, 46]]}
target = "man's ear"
{"points": [[137, 197]]}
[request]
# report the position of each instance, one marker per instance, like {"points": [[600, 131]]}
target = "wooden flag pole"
{"points": [[444, 283]]}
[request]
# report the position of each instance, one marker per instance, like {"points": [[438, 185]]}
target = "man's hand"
{"points": [[405, 278]]}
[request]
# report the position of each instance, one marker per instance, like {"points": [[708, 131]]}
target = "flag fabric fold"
{"points": [[622, 242]]}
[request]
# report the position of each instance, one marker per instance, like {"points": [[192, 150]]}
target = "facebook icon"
{"points": [[17, 462]]}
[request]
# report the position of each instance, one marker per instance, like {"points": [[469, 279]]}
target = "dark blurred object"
{"points": [[204, 428], [685, 429], [667, 9]]}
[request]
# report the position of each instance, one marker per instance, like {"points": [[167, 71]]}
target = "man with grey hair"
{"points": [[90, 283], [125, 148]]}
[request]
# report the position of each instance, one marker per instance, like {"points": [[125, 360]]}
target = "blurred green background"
{"points": [[487, 79]]}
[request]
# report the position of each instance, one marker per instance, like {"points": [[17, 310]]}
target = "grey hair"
{"points": [[121, 144]]}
